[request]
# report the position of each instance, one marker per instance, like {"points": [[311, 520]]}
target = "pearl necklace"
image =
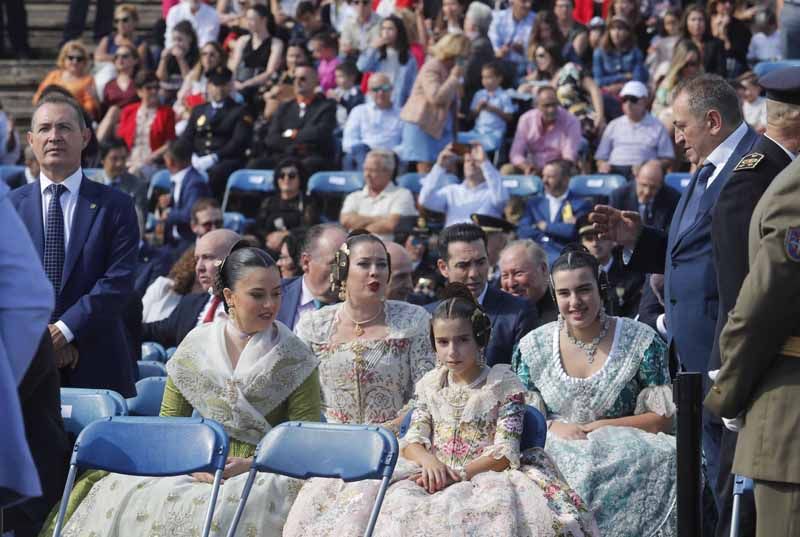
{"points": [[359, 331], [589, 348]]}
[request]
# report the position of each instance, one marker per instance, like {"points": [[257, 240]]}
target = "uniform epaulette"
{"points": [[749, 161]]}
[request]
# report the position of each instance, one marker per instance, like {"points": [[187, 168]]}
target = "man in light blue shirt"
{"points": [[375, 124], [510, 32], [481, 192]]}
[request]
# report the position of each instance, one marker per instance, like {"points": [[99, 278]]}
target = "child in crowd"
{"points": [[765, 46], [754, 106], [493, 108], [347, 93], [323, 48]]}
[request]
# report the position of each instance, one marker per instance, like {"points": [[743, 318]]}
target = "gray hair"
{"points": [[481, 15], [387, 158], [533, 251], [63, 100], [708, 92], [315, 233]]}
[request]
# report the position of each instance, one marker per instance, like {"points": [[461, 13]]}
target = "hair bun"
{"points": [[457, 290]]}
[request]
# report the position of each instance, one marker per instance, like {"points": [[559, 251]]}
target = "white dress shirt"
{"points": [[205, 22], [306, 302], [554, 204], [720, 155], [69, 200], [219, 313]]}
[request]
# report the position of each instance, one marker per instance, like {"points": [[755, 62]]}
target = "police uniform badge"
{"points": [[749, 161], [201, 120], [792, 244]]}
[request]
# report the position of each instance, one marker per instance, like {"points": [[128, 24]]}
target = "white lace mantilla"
{"points": [[264, 377]]}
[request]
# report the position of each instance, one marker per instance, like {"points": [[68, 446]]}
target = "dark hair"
{"points": [[293, 240], [546, 18], [556, 58], [711, 92], [265, 13], [564, 166], [242, 257], [143, 78], [54, 94], [341, 260], [304, 8], [348, 69], [459, 233], [293, 162], [671, 11], [458, 303], [576, 256], [182, 272], [691, 8], [326, 40], [495, 67], [608, 45], [180, 150], [201, 205], [185, 27], [401, 44]]}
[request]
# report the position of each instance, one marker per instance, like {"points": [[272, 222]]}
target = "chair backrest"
{"points": [[763, 68], [341, 183], [91, 173], [678, 180], [249, 180], [170, 351], [8, 170], [523, 185], [159, 180], [412, 181], [151, 368], [82, 406], [599, 185], [149, 393], [534, 429], [136, 446], [153, 351], [234, 221], [351, 452]]}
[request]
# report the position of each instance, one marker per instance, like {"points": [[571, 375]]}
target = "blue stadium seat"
{"points": [[523, 185], [762, 68], [341, 183], [149, 393], [8, 170], [124, 445], [91, 173], [248, 181], [534, 428], [153, 351], [170, 351], [597, 186], [741, 485], [161, 181], [235, 221], [151, 368], [413, 181], [304, 449], [82, 406], [678, 180]]}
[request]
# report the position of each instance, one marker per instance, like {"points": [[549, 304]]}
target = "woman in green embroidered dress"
{"points": [[249, 373]]}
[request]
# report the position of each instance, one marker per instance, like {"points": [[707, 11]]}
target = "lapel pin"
{"points": [[93, 206]]}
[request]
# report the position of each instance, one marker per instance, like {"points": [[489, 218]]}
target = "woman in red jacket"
{"points": [[146, 126]]}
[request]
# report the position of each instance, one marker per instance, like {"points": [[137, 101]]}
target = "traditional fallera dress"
{"points": [[459, 423], [369, 381], [626, 476], [275, 380]]}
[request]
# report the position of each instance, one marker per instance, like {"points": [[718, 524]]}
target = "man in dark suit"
{"points": [[464, 259], [773, 151], [524, 273], [195, 308], [648, 195], [113, 154], [301, 128], [549, 218], [87, 236], [708, 124], [218, 131], [188, 186]]}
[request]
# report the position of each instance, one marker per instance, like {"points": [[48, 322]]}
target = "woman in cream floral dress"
{"points": [[461, 471]]}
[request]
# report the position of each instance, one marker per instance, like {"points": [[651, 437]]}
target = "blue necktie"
{"points": [[54, 245], [693, 204]]}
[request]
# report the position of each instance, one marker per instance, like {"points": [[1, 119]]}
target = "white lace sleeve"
{"points": [[421, 359], [656, 399], [509, 431], [421, 428]]}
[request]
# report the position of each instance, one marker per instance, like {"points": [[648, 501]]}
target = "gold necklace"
{"points": [[359, 331]]}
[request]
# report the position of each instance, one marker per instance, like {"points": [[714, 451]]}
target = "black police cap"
{"points": [[491, 223], [782, 85]]}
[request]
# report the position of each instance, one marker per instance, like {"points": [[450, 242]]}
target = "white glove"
{"points": [[204, 163], [732, 424]]}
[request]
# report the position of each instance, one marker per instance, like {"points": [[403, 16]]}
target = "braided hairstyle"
{"points": [[242, 257], [458, 303], [575, 256]]}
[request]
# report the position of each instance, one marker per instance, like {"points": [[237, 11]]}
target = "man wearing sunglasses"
{"points": [[375, 124], [635, 137]]}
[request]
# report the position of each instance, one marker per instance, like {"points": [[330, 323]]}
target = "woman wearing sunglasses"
{"points": [[73, 74], [287, 208], [105, 55]]}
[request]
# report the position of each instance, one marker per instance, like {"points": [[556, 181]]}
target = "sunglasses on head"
{"points": [[76, 58], [288, 175], [211, 224], [385, 87], [630, 99], [122, 19]]}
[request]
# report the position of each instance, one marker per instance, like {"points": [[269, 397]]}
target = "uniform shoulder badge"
{"points": [[792, 244], [749, 161]]}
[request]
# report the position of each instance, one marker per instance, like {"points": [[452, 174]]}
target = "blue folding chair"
{"points": [[678, 180], [597, 187], [130, 445], [8, 170], [341, 183], [349, 452], [248, 181], [82, 406], [170, 351], [149, 393], [522, 185], [153, 351], [741, 485], [151, 368], [412, 181], [234, 221]]}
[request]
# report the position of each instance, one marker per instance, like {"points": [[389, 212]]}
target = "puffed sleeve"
{"points": [[653, 377], [421, 359], [509, 430]]}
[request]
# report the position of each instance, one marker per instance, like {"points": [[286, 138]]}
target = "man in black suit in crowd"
{"points": [[773, 151], [300, 128], [464, 259], [648, 195], [218, 132], [113, 154]]}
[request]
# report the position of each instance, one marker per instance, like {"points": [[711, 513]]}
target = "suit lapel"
{"points": [[30, 210], [85, 211]]}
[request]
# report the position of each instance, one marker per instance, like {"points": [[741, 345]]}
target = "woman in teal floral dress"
{"points": [[604, 386], [461, 471]]}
